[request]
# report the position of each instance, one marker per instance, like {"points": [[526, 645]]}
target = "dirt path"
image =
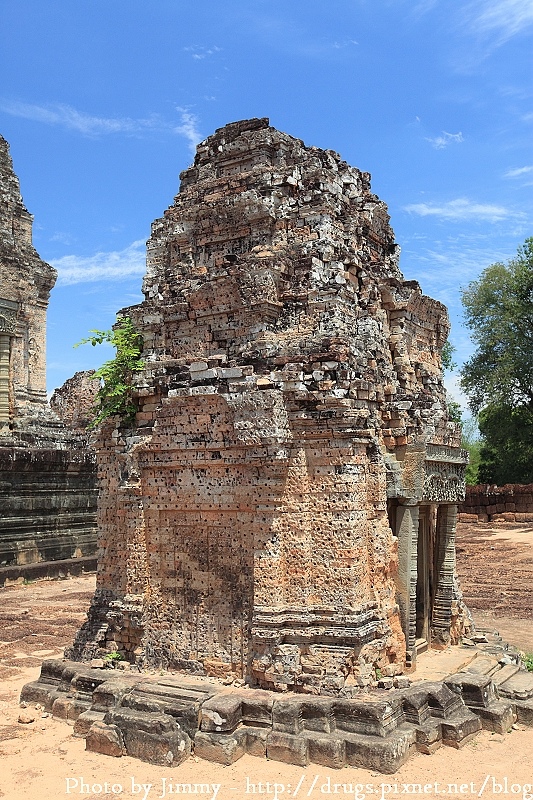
{"points": [[495, 567]]}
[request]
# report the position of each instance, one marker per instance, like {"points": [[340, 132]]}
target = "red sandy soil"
{"points": [[495, 566], [42, 760]]}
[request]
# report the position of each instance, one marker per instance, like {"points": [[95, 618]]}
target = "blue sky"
{"points": [[103, 102]]}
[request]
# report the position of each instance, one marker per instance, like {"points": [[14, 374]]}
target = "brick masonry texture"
{"points": [[47, 474], [489, 503], [262, 517]]}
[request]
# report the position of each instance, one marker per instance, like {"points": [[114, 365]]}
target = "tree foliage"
{"points": [[506, 453], [498, 378], [446, 355], [499, 312], [115, 395]]}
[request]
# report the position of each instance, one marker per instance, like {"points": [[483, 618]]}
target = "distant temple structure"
{"points": [[47, 474], [284, 507]]}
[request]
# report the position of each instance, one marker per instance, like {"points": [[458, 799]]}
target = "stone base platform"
{"points": [[163, 719]]}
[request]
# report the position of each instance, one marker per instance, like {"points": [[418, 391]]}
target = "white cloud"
{"points": [[516, 173], [199, 52], [102, 266], [69, 117], [189, 128], [89, 125], [440, 142], [461, 209], [338, 45], [501, 18]]}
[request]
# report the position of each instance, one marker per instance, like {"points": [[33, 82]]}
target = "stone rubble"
{"points": [[163, 719]]}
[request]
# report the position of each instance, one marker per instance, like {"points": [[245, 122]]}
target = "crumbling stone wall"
{"points": [[47, 475], [74, 401], [261, 517], [489, 503]]}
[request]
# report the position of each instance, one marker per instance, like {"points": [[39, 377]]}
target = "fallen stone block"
{"points": [[506, 672], [256, 741], [519, 686], [483, 665], [180, 699], [383, 754], [220, 747], [415, 705], [221, 713], [524, 712], [499, 717], [155, 738], [133, 720], [110, 693], [287, 716], [328, 751], [167, 750], [257, 708], [456, 732], [85, 720], [477, 691], [36, 692], [105, 739], [69, 708], [287, 748], [442, 700], [428, 737], [368, 717]]}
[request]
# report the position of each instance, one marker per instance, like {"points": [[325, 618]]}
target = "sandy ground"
{"points": [[42, 760], [495, 566]]}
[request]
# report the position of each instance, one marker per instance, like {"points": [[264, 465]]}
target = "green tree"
{"points": [[499, 377], [506, 453], [499, 312], [115, 395]]}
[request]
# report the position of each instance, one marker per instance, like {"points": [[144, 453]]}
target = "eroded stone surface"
{"points": [[262, 517], [377, 730]]}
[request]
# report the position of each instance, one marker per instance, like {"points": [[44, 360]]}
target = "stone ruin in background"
{"points": [[284, 507], [47, 474]]}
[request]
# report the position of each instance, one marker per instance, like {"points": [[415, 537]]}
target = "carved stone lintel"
{"points": [[8, 317]]}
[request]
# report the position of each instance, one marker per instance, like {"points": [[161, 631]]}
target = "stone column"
{"points": [[407, 515], [4, 377], [445, 570]]}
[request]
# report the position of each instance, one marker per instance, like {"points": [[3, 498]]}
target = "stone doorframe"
{"points": [[436, 522], [8, 321]]}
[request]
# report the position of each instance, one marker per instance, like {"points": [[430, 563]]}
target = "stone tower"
{"points": [[47, 474], [284, 507], [25, 284]]}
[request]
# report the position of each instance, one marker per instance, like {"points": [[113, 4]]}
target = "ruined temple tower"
{"points": [[284, 507], [47, 477], [25, 284]]}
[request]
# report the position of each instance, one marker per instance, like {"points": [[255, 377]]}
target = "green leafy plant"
{"points": [[113, 657], [115, 395], [527, 660], [447, 356]]}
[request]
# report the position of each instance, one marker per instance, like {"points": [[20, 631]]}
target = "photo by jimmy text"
{"points": [[308, 786]]}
